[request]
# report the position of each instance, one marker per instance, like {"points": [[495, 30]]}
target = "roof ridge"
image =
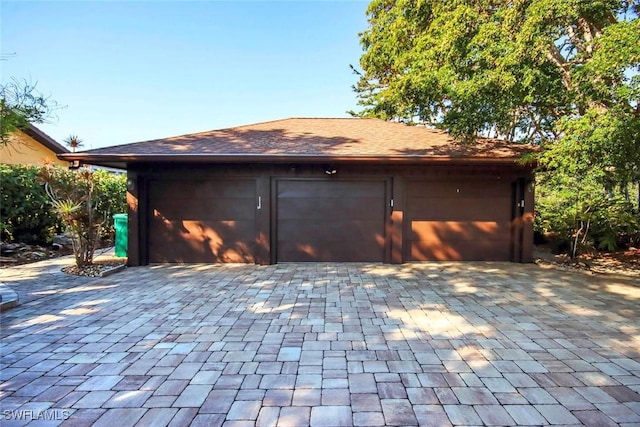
{"points": [[292, 118], [251, 124]]}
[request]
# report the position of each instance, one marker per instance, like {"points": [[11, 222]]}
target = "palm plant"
{"points": [[73, 142]]}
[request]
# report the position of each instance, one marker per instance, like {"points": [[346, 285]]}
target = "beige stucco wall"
{"points": [[24, 150]]}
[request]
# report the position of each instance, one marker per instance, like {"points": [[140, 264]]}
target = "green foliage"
{"points": [[66, 207], [603, 144], [85, 201], [25, 213], [72, 197], [546, 71], [21, 104], [111, 200], [578, 216]]}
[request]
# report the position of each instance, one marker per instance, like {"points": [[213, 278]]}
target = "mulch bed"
{"points": [[27, 254], [626, 262], [97, 269]]}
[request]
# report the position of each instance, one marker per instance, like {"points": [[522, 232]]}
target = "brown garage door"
{"points": [[459, 220], [330, 220], [202, 221]]}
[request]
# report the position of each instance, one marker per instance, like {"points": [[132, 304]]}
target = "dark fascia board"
{"points": [[121, 161], [45, 139]]}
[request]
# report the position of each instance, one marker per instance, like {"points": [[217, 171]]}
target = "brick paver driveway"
{"points": [[323, 344]]}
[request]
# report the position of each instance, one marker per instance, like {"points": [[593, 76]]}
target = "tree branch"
{"points": [[577, 42], [587, 34], [554, 55]]}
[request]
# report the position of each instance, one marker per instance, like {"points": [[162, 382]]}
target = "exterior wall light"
{"points": [[330, 170]]}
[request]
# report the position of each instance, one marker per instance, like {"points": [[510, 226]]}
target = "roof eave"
{"points": [[45, 139], [122, 161]]}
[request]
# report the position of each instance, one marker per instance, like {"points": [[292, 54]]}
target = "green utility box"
{"points": [[120, 223]]}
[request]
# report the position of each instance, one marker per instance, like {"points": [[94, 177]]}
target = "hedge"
{"points": [[26, 214]]}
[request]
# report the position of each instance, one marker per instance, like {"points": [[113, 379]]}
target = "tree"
{"points": [[73, 142], [21, 104], [559, 73]]}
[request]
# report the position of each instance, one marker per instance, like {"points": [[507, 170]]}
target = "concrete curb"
{"points": [[8, 298]]}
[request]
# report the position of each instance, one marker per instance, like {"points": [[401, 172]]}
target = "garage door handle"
{"points": [[259, 202]]}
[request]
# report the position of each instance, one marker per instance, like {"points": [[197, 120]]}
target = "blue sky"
{"points": [[129, 71]]}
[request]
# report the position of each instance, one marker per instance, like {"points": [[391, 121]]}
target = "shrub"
{"points": [[73, 198], [111, 190], [85, 201], [25, 212], [27, 215], [578, 215]]}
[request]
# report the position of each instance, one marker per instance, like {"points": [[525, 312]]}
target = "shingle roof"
{"points": [[317, 138]]}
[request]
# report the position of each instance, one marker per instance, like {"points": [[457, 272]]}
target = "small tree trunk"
{"points": [[576, 239]]}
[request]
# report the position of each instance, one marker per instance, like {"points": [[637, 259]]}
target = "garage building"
{"points": [[324, 190]]}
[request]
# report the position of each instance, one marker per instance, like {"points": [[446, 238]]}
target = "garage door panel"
{"points": [[332, 231], [211, 209], [202, 221], [202, 241], [321, 208], [458, 220], [330, 220], [460, 250], [223, 231], [479, 188], [340, 251], [441, 231], [202, 189], [459, 209], [185, 251], [328, 188]]}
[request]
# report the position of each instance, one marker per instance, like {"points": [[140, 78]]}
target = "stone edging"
{"points": [[113, 270], [8, 297]]}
